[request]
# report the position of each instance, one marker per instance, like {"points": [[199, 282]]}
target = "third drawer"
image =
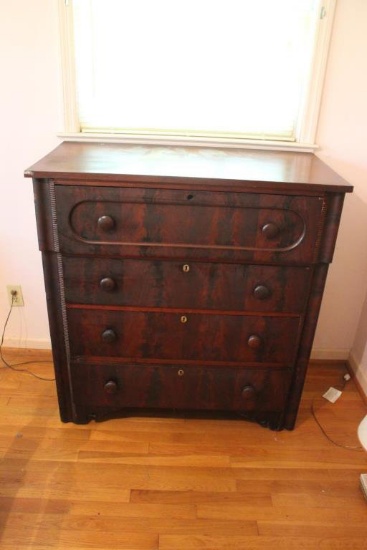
{"points": [[184, 336]]}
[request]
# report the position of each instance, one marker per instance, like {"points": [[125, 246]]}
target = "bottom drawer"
{"points": [[107, 388]]}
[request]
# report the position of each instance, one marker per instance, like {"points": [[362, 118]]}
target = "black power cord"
{"points": [[358, 448], [12, 367]]}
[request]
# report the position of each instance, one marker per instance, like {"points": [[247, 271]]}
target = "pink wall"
{"points": [[342, 137], [29, 115]]}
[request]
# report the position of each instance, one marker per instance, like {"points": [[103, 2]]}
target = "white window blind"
{"points": [[227, 68]]}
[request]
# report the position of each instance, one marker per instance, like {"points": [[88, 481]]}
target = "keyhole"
{"points": [[189, 197]]}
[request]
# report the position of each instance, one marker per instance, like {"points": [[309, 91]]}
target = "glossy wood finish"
{"points": [[184, 279], [183, 336], [182, 166], [154, 483], [194, 285], [227, 226], [112, 388]]}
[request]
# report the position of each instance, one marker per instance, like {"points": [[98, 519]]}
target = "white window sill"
{"points": [[188, 141]]}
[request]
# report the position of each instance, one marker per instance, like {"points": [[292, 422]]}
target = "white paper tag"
{"points": [[332, 395]]}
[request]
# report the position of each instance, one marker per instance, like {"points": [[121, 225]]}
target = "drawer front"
{"points": [[201, 388], [202, 225], [184, 337], [195, 285]]}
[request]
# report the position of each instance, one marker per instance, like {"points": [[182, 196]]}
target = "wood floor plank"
{"points": [[257, 498], [313, 500], [230, 542], [289, 514], [338, 529], [130, 510], [63, 538], [113, 525]]}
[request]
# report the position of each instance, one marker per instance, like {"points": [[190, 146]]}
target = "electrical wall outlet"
{"points": [[15, 295]]}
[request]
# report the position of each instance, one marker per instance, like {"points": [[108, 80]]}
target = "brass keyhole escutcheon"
{"points": [[186, 268], [181, 372], [183, 319]]}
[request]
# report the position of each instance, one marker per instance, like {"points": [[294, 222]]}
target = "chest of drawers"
{"points": [[183, 279]]}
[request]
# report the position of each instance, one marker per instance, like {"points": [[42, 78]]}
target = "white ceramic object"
{"points": [[362, 432]]}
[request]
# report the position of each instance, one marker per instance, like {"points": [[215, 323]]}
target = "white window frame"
{"points": [[305, 139]]}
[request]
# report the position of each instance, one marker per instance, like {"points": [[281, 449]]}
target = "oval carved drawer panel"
{"points": [[165, 222], [197, 285], [183, 336], [195, 388]]}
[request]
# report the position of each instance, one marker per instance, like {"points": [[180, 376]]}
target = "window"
{"points": [[233, 71]]}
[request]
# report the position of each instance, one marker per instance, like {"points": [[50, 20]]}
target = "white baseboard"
{"points": [[330, 354], [27, 344]]}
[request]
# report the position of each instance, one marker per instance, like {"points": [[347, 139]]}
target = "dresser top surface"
{"points": [[86, 162]]}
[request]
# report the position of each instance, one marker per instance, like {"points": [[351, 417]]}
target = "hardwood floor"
{"points": [[176, 483]]}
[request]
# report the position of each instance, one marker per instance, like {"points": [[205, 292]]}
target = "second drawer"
{"points": [[197, 285]]}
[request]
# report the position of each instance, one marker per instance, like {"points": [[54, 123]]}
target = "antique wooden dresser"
{"points": [[183, 279]]}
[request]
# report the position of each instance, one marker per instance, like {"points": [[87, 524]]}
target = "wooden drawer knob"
{"points": [[109, 336], [254, 341], [248, 393], [111, 387], [261, 292], [106, 223], [107, 284], [270, 230]]}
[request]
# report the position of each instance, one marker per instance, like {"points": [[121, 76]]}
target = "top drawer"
{"points": [[176, 223]]}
